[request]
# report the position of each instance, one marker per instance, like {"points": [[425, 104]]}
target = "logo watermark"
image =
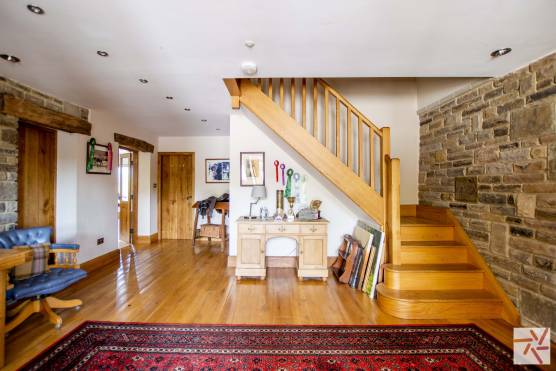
{"points": [[531, 346]]}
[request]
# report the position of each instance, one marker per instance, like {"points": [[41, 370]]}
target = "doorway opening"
{"points": [[127, 200]]}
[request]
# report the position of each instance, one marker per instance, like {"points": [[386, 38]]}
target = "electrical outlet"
{"points": [[100, 241]]}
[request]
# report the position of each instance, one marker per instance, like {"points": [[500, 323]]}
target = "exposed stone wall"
{"points": [[9, 145], [489, 154]]}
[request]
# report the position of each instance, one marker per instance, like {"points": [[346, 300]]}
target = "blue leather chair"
{"points": [[32, 295]]}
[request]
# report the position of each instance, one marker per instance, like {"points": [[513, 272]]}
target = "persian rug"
{"points": [[144, 346]]}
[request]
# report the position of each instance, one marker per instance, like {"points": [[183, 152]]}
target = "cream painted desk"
{"points": [[312, 246]]}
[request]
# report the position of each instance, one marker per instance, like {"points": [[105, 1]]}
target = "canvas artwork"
{"points": [[217, 170], [100, 161], [252, 168]]}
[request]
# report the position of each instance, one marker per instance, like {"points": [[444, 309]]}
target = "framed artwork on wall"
{"points": [[251, 168], [99, 158], [217, 170]]}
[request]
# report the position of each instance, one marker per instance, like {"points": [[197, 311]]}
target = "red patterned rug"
{"points": [[143, 346]]}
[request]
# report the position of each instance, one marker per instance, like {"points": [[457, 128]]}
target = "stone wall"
{"points": [[9, 145], [489, 154]]}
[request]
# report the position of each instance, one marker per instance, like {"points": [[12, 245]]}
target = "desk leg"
{"points": [[3, 287], [208, 221], [195, 225], [223, 231]]}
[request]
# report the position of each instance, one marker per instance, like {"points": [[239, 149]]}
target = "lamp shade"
{"points": [[258, 192]]}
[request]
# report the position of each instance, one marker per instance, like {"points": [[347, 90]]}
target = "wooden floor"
{"points": [[169, 282]]}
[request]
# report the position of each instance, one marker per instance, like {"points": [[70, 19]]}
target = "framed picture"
{"points": [[251, 168], [100, 163], [217, 170]]}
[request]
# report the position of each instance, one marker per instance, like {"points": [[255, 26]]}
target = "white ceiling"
{"points": [[185, 48]]}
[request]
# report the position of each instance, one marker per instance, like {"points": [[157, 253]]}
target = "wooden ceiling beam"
{"points": [[133, 143], [41, 116]]}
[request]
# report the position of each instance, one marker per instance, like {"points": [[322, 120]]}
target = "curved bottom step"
{"points": [[425, 304]]}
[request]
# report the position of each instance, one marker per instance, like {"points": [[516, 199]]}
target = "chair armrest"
{"points": [[63, 257], [64, 246]]}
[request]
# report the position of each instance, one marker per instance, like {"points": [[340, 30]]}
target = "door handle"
{"points": [[189, 197]]}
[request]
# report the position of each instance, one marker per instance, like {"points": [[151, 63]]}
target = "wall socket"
{"points": [[100, 241]]}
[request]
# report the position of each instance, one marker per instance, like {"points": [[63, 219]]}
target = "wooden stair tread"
{"points": [[415, 221], [432, 268], [432, 244], [438, 296]]}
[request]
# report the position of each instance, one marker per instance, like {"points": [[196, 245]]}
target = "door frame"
{"points": [[135, 179], [159, 185], [20, 169]]}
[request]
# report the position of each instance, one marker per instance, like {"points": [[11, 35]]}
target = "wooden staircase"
{"points": [[432, 269], [437, 272]]}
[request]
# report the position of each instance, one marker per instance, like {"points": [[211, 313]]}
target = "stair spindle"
{"points": [[270, 88], [349, 151], [292, 93], [315, 102], [338, 127], [372, 158], [326, 117], [304, 103], [282, 93], [359, 147]]}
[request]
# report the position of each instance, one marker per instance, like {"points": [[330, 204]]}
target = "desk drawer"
{"points": [[282, 228], [250, 228], [313, 229]]}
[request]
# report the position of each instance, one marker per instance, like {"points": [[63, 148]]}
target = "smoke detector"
{"points": [[249, 68]]}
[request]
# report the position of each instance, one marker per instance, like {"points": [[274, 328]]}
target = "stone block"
{"points": [[521, 232], [543, 263], [532, 120], [532, 246], [546, 201], [539, 152], [510, 106], [541, 94], [524, 178], [548, 214], [540, 188], [526, 205], [515, 154], [8, 191], [499, 239], [488, 154], [498, 168], [466, 189]]}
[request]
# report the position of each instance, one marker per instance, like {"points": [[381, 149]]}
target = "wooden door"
{"points": [[124, 194], [176, 196], [313, 252], [251, 251], [37, 177]]}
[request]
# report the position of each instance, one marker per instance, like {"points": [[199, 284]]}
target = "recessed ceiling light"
{"points": [[187, 109], [35, 9], [143, 81], [249, 43], [203, 120], [169, 97], [217, 129], [102, 53], [10, 58], [500, 52]]}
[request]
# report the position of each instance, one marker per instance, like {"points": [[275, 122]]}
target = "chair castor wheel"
{"points": [[78, 307], [58, 325]]}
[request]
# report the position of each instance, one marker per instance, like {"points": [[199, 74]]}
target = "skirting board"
{"points": [[102, 260], [278, 261], [147, 239]]}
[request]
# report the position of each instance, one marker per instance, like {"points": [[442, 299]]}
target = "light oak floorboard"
{"points": [[168, 282]]}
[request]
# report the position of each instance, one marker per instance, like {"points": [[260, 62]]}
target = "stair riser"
{"points": [[439, 310], [433, 255], [409, 280], [427, 233]]}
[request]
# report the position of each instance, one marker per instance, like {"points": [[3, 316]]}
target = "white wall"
{"points": [[393, 103], [86, 204], [248, 134], [430, 90], [203, 147]]}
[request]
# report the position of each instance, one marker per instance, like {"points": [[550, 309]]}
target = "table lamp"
{"points": [[257, 192]]}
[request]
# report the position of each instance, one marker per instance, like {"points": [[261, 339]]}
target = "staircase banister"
{"points": [[346, 102]]}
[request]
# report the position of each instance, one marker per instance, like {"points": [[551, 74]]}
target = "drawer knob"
{"points": [[313, 229], [251, 229], [282, 229]]}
